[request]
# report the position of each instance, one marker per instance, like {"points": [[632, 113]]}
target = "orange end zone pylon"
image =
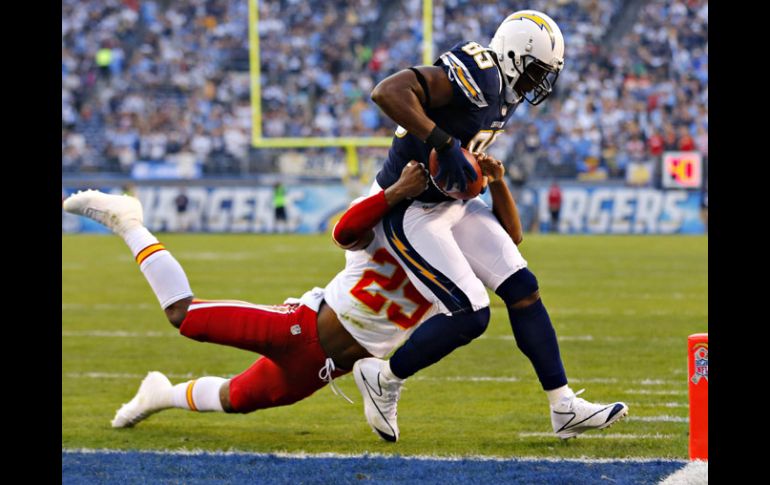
{"points": [[698, 380]]}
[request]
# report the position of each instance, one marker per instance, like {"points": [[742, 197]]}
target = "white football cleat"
{"points": [[574, 415], [118, 212], [380, 397], [154, 395]]}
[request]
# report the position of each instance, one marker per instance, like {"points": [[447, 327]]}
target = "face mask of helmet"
{"points": [[536, 81]]}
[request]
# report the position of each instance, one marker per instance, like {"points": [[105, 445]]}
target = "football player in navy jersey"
{"points": [[451, 248]]}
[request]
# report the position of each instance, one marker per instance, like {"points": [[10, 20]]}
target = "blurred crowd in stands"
{"points": [[169, 81]]}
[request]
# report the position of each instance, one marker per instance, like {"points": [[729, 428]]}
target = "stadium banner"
{"points": [[237, 209], [313, 208], [622, 210], [181, 169]]}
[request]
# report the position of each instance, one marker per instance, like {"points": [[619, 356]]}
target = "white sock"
{"points": [[388, 374], [198, 395], [164, 273], [556, 395], [138, 238], [166, 277]]}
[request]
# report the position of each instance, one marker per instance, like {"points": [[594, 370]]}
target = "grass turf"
{"points": [[621, 305]]}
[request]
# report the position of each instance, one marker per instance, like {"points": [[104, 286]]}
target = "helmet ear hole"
{"points": [[511, 54]]}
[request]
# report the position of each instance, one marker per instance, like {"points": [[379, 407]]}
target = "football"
{"points": [[473, 189]]}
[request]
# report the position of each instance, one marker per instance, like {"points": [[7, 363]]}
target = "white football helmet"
{"points": [[529, 49]]}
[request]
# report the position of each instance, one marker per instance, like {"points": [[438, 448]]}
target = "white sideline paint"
{"points": [[302, 455], [694, 473], [605, 436]]}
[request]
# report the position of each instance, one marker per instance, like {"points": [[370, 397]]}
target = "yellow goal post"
{"points": [[350, 144]]}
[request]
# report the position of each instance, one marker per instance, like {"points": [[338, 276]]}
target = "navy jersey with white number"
{"points": [[476, 114]]}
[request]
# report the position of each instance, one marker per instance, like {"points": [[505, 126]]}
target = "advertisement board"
{"points": [[594, 209], [309, 208], [623, 210]]}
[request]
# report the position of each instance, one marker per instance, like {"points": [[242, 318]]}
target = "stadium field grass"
{"points": [[622, 307]]}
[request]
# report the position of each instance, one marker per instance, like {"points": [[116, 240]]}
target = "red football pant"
{"points": [[285, 335]]}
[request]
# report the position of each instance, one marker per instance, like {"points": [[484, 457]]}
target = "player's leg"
{"points": [[497, 262], [265, 329], [124, 216], [271, 383], [298, 365], [286, 336], [264, 385], [156, 393], [380, 381], [536, 337], [422, 239]]}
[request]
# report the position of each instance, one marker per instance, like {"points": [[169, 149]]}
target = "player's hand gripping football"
{"points": [[454, 166], [413, 182], [491, 167]]}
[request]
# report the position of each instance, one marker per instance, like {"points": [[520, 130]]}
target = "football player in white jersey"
{"points": [[367, 310], [452, 253]]}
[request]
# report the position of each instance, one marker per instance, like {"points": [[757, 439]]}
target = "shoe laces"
{"points": [[571, 401], [582, 402], [325, 374]]}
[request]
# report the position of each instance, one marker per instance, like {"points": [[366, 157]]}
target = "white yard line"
{"points": [[659, 419], [107, 375], [115, 334], [303, 455], [119, 375], [605, 436], [655, 392], [108, 306], [658, 404]]}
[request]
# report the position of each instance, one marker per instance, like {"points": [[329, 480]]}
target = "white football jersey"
{"points": [[374, 298]]}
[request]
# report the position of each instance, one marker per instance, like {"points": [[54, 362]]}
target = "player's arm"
{"points": [[503, 205], [354, 229], [405, 96]]}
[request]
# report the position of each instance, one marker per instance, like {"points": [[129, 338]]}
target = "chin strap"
{"points": [[511, 97]]}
